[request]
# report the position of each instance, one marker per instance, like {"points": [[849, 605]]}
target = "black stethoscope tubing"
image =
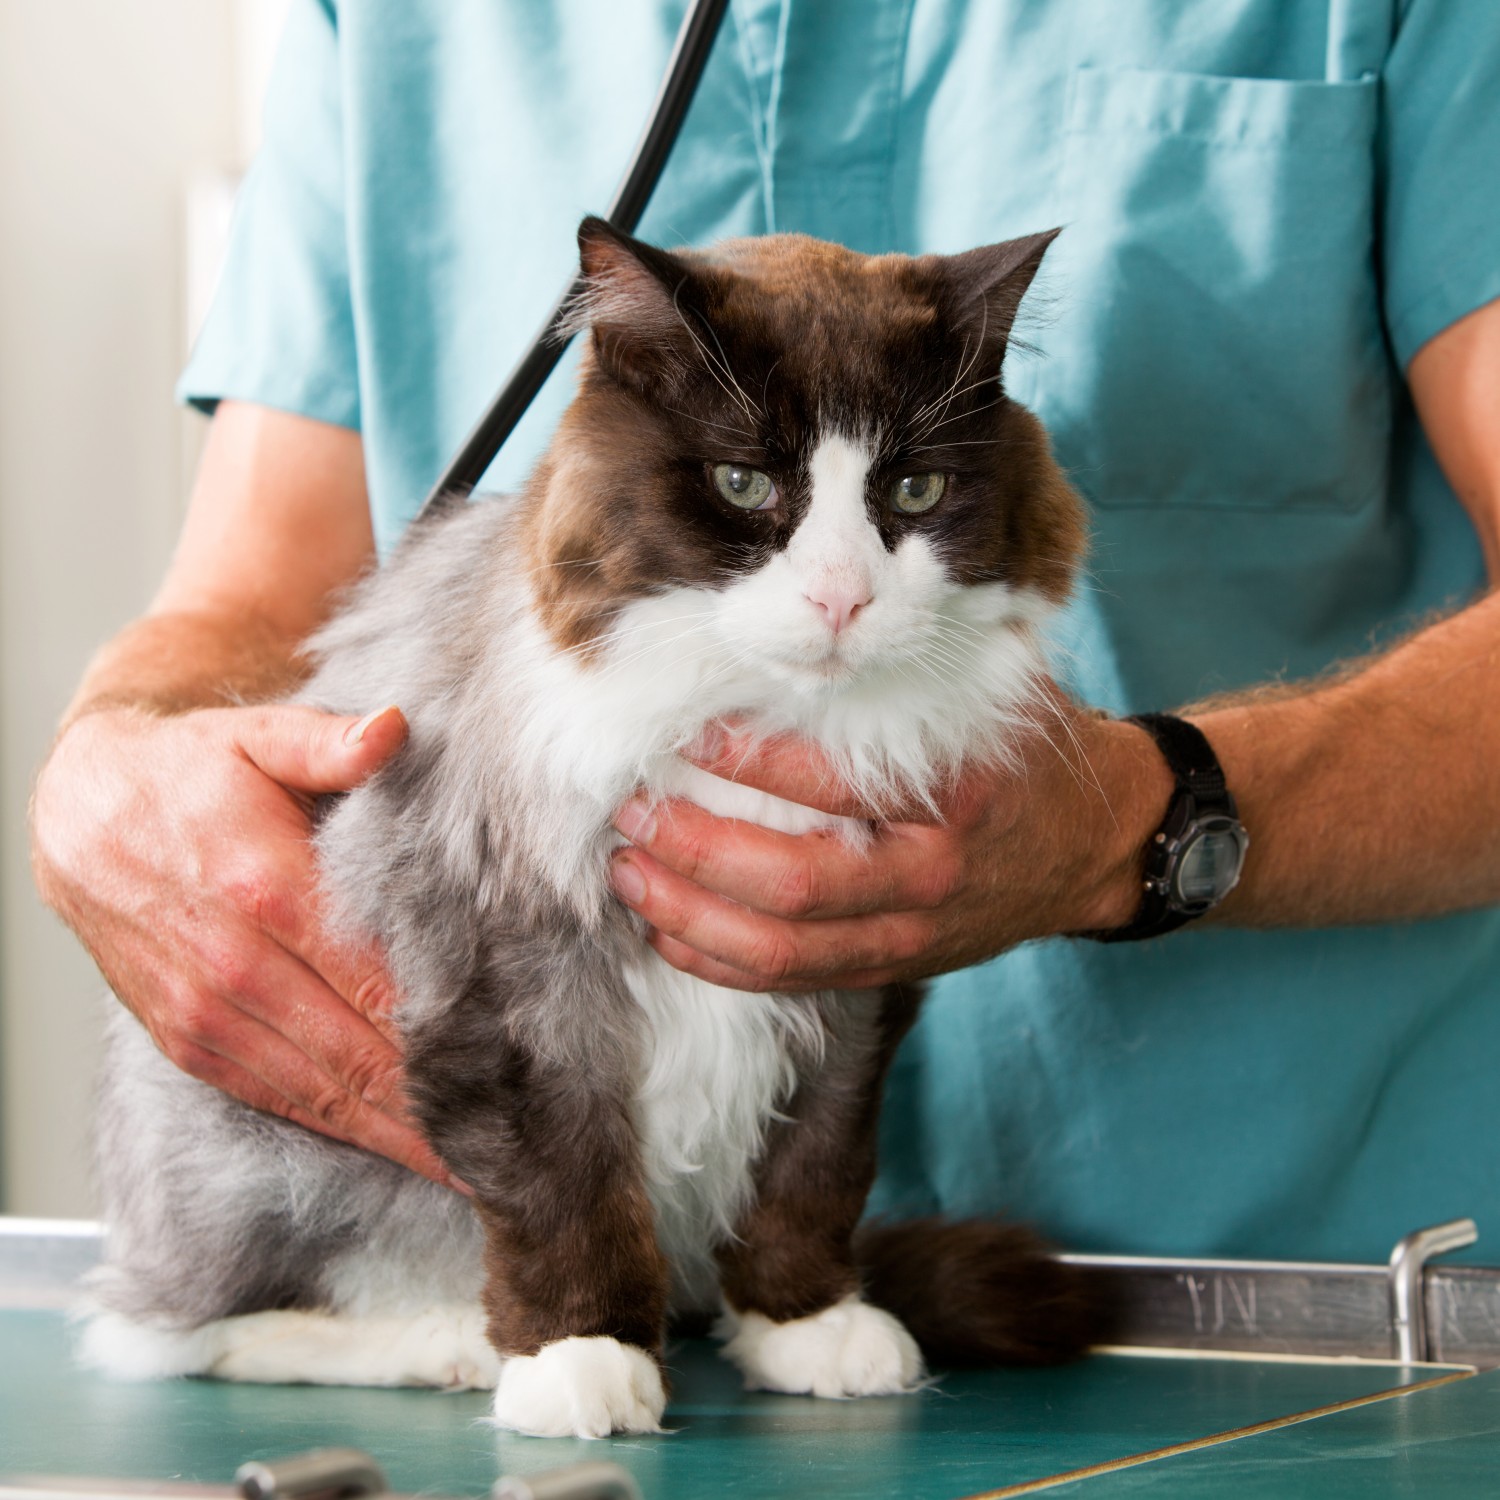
{"points": [[690, 52]]}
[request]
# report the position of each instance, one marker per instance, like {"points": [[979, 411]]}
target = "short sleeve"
{"points": [[1441, 147], [280, 329]]}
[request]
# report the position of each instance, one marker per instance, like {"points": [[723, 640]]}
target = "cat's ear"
{"points": [[636, 300], [985, 286]]}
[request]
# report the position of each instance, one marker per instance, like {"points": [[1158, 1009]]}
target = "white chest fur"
{"points": [[719, 1062]]}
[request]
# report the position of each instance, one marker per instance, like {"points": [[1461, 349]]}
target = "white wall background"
{"points": [[112, 115]]}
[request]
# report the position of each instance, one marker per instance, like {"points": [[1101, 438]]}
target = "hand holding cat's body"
{"points": [[1008, 853], [207, 922]]}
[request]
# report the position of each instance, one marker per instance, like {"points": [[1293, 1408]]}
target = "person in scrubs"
{"points": [[1269, 355]]}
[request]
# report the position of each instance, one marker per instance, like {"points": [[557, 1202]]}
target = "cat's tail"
{"points": [[979, 1292]]}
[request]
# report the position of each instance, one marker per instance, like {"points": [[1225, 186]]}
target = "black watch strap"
{"points": [[1190, 758], [1199, 776]]}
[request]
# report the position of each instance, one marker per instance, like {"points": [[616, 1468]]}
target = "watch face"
{"points": [[1208, 868]]}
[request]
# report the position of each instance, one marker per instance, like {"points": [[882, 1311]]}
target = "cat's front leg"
{"points": [[577, 1320], [575, 1284], [794, 1316]]}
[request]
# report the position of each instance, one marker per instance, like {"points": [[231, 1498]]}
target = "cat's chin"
{"points": [[814, 677], [819, 681], [809, 690]]}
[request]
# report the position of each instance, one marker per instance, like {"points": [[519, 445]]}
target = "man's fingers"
{"points": [[776, 952], [256, 1064], [313, 752], [691, 961], [285, 906], [795, 770], [276, 990], [274, 886], [359, 975], [794, 875]]}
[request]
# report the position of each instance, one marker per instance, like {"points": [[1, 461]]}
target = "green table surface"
{"points": [[1427, 1445], [969, 1434]]}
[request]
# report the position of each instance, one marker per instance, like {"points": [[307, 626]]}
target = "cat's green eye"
{"points": [[914, 493], [745, 487]]}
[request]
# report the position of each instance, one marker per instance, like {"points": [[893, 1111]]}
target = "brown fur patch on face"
{"points": [[750, 354]]}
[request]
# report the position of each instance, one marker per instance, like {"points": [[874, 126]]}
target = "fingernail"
{"points": [[626, 878], [637, 822], [709, 745], [356, 732]]}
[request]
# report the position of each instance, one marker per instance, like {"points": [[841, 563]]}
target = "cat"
{"points": [[790, 490]]}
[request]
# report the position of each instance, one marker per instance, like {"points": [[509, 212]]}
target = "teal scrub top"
{"points": [[1268, 207]]}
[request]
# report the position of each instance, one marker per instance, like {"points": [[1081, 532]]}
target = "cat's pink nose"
{"points": [[838, 603]]}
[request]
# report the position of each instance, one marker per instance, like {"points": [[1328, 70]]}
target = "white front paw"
{"points": [[580, 1387], [849, 1349]]}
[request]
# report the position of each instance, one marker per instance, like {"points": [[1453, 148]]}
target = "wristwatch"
{"points": [[1196, 857]]}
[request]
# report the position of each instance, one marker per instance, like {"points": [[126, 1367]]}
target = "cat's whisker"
{"points": [[942, 652], [965, 364], [719, 368], [714, 369], [640, 653], [581, 562], [960, 416], [973, 646], [940, 412], [948, 661], [765, 400], [728, 369], [639, 649], [1083, 771], [996, 442], [739, 432], [677, 665], [958, 631], [638, 627], [945, 669], [952, 622]]}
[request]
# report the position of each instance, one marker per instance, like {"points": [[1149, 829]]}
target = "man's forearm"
{"points": [[1374, 797], [172, 662]]}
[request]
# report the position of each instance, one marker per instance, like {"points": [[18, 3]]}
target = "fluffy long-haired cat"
{"points": [[791, 490]]}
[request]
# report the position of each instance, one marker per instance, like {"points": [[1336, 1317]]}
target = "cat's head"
{"points": [[802, 460]]}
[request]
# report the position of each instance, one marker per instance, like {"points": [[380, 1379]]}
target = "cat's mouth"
{"points": [[831, 663]]}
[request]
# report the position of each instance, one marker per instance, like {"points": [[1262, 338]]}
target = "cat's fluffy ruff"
{"points": [[553, 656]]}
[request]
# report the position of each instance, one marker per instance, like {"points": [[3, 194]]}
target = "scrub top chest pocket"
{"points": [[1216, 338]]}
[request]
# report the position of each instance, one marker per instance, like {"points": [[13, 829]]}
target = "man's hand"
{"points": [[179, 846], [1053, 844]]}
